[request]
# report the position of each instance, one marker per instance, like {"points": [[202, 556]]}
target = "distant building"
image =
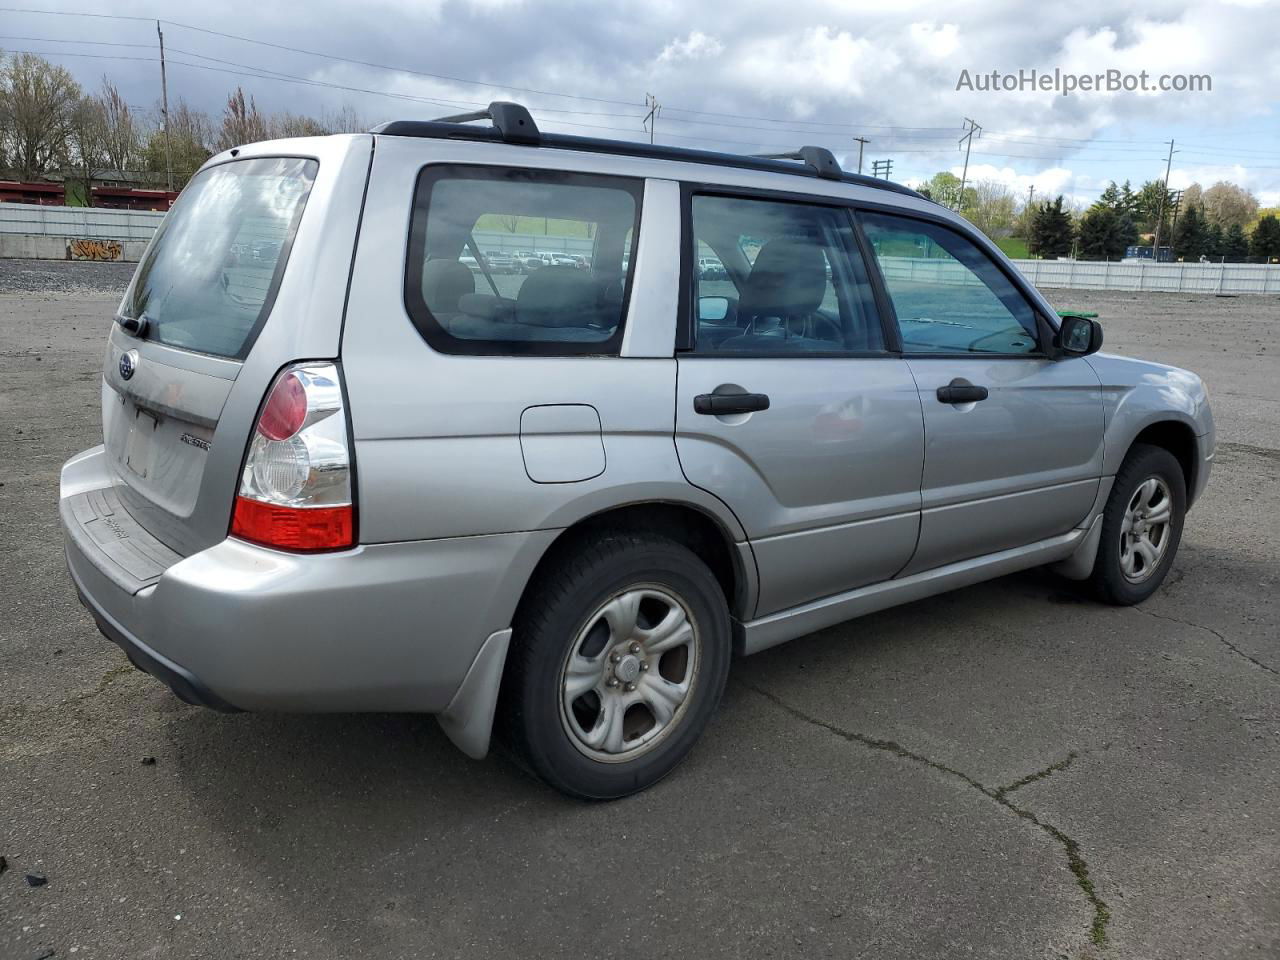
{"points": [[129, 198], [45, 194]]}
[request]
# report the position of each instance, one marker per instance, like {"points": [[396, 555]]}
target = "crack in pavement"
{"points": [[1048, 771], [1200, 626], [1075, 861]]}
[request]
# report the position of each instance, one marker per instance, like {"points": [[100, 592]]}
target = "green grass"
{"points": [[1015, 248], [537, 226]]}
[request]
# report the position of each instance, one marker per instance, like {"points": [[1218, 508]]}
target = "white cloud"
{"points": [[934, 40], [696, 46]]}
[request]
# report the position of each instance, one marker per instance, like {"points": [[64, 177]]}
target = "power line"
{"points": [[942, 132]]}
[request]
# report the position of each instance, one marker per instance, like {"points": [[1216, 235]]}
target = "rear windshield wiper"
{"points": [[134, 326]]}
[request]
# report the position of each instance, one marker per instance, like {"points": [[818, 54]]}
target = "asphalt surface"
{"points": [[1009, 771]]}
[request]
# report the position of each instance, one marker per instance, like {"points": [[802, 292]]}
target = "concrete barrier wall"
{"points": [[20, 247]]}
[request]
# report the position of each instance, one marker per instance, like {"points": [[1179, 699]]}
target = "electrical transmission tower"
{"points": [[881, 168]]}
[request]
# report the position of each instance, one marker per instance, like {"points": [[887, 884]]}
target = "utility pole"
{"points": [[861, 142], [651, 118], [1175, 201], [881, 168], [967, 140], [1168, 165], [164, 112]]}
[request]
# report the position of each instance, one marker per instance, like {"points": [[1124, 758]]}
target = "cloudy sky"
{"points": [[744, 76]]}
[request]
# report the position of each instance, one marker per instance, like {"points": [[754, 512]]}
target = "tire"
{"points": [[591, 725], [1124, 573]]}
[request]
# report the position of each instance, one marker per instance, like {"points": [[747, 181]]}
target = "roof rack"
{"points": [[818, 159], [512, 121], [512, 124]]}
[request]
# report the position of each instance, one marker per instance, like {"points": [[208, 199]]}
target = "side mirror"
{"points": [[713, 308], [1079, 336]]}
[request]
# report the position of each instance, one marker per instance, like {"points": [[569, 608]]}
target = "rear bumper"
{"points": [[184, 685], [392, 627]]}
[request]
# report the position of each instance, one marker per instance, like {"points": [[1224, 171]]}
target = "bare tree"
{"points": [[86, 139], [241, 122], [190, 136], [37, 100], [345, 120], [509, 222], [294, 125], [991, 208], [121, 133]]}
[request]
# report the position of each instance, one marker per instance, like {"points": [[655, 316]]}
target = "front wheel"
{"points": [[1141, 526], [620, 656]]}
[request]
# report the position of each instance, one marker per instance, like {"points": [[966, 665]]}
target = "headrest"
{"points": [[560, 296], [444, 283], [788, 279]]}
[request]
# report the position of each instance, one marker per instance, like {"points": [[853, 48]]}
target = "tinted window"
{"points": [[520, 261], [209, 277], [948, 295], [778, 278]]}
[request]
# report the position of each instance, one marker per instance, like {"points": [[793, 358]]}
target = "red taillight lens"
{"points": [[296, 487], [293, 528], [285, 410]]}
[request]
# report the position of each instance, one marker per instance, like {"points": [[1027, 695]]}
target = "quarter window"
{"points": [[505, 261], [778, 278], [949, 296]]}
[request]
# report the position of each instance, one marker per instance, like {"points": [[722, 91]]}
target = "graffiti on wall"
{"points": [[94, 250]]}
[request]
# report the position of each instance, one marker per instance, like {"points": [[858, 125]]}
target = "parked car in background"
{"points": [[500, 262], [527, 261], [367, 481], [710, 268]]}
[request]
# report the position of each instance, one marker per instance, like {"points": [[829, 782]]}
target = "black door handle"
{"points": [[719, 404], [961, 390]]}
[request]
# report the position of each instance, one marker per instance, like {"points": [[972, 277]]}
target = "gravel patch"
{"points": [[64, 276]]}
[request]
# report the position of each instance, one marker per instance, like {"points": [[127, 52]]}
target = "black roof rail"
{"points": [[818, 159], [513, 124], [512, 121]]}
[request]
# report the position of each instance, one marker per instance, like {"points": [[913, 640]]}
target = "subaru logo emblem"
{"points": [[128, 364]]}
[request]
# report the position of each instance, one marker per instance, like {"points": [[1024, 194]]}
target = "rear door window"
{"points": [[209, 278], [565, 290], [780, 278]]}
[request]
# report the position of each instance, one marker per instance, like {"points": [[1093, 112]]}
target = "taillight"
{"points": [[296, 486]]}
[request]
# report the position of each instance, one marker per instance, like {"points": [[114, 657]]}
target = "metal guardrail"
{"points": [[98, 223]]}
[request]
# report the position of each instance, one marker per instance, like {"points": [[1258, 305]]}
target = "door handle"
{"points": [[719, 404], [961, 390]]}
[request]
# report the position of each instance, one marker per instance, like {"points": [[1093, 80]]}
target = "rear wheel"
{"points": [[619, 660], [1141, 526]]}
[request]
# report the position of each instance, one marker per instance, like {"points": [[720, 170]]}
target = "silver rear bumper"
{"points": [[392, 627]]}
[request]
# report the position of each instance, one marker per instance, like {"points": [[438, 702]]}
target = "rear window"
{"points": [[509, 261], [210, 276]]}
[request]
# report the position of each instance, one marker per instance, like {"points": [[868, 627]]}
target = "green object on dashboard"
{"points": [[1076, 313]]}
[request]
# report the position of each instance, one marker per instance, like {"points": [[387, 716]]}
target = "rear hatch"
{"points": [[222, 299]]}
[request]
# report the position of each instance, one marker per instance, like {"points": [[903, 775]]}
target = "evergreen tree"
{"points": [[1265, 242], [1189, 237], [1104, 234], [1110, 198], [1214, 242], [1051, 231], [1235, 244]]}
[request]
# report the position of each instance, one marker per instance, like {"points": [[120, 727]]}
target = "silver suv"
{"points": [[352, 473]]}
